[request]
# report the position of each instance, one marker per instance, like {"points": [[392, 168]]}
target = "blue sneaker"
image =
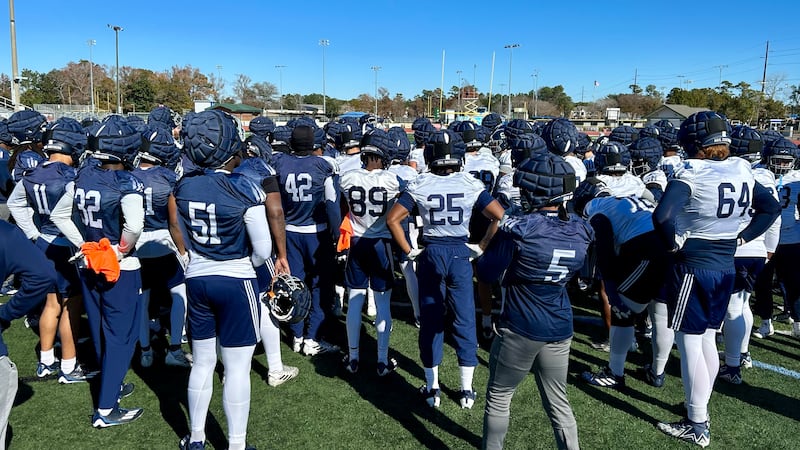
{"points": [[43, 370], [78, 375], [730, 374], [351, 365], [432, 397], [185, 444], [126, 389], [387, 368], [604, 378], [117, 416], [651, 377], [688, 431]]}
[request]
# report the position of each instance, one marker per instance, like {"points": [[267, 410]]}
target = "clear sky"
{"points": [[572, 43]]}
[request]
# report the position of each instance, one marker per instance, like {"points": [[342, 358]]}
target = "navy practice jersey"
{"points": [[259, 171], [302, 183], [27, 160], [6, 184], [44, 187], [629, 216], [211, 207], [789, 196], [158, 184], [536, 254], [98, 195]]}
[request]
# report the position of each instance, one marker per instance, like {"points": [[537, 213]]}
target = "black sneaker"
{"points": [[604, 378], [117, 416], [688, 431]]}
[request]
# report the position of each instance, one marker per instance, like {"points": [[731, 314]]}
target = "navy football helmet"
{"points": [[523, 147], [257, 147], [288, 299], [65, 136], [5, 135], [612, 158], [650, 131], [746, 143], [590, 189], [517, 127], [770, 135], [781, 155], [444, 148], [701, 130], [492, 120], [624, 134], [422, 133], [646, 153], [399, 136], [212, 138], [158, 147], [378, 143], [114, 141], [584, 142], [262, 126], [26, 126], [561, 136], [161, 117], [469, 134], [139, 124], [280, 137], [544, 179], [419, 122]]}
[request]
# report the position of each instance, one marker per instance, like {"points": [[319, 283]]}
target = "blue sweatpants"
{"points": [[445, 281], [311, 259], [113, 313]]}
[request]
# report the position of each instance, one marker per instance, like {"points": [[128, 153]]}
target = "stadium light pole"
{"points": [[91, 43], [459, 72], [15, 78], [324, 43], [510, 48], [376, 69], [117, 29], [535, 76], [280, 84]]}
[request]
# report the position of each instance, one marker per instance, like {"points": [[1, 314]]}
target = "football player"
{"points": [[535, 255], [561, 137], [225, 220], [369, 194], [111, 206], [309, 198], [6, 183], [445, 198], [26, 127], [699, 219], [160, 248], [44, 191], [646, 154], [422, 128]]}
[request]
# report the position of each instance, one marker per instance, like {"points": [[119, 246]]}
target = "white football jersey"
{"points": [[418, 156], [721, 195], [445, 202], [484, 167], [767, 242], [370, 194], [788, 186], [404, 172], [656, 176], [348, 163], [506, 188], [578, 165], [629, 216], [625, 185]]}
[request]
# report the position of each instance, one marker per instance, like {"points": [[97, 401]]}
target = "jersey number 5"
{"points": [[204, 229], [556, 267]]}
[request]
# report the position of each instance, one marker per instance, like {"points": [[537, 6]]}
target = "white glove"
{"points": [[79, 259], [119, 254], [183, 260], [475, 251], [412, 255]]}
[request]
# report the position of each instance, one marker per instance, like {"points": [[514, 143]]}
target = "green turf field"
{"points": [[328, 408]]}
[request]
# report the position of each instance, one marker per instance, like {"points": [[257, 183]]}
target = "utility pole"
{"points": [[15, 79], [91, 43], [376, 69], [458, 73], [535, 92], [763, 85], [720, 67], [117, 29], [510, 48], [280, 85], [324, 43]]}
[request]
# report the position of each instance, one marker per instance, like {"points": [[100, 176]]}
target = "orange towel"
{"points": [[345, 231], [102, 259]]}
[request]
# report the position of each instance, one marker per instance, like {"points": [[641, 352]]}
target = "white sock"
{"points": [[734, 330], [466, 377], [383, 323], [271, 339], [236, 392], [47, 357], [144, 323], [354, 304], [694, 374], [663, 336], [340, 292], [177, 314], [370, 299], [68, 365], [201, 386], [412, 286], [747, 313], [432, 377], [619, 339]]}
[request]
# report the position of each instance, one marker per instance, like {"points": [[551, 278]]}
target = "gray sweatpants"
{"points": [[8, 391], [511, 358]]}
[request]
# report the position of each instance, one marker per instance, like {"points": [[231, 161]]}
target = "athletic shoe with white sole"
{"points": [[745, 360], [43, 370], [275, 379], [604, 378], [297, 345], [766, 329], [688, 431], [117, 416], [178, 358], [186, 444], [146, 359], [467, 399], [432, 397], [387, 367], [312, 347], [78, 375]]}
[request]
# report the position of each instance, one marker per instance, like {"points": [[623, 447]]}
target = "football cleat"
{"points": [[186, 444], [467, 399], [297, 345], [651, 377], [602, 346], [312, 347], [43, 370], [178, 358], [146, 359], [432, 397], [78, 375], [275, 379], [745, 361], [604, 378], [387, 368], [730, 374], [118, 416], [766, 329], [126, 389], [784, 317], [351, 365], [688, 431]]}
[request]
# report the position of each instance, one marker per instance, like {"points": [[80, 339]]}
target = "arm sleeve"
{"points": [[22, 212], [496, 259], [604, 246], [671, 204], [766, 210], [61, 215], [255, 220], [332, 208], [773, 235], [133, 212]]}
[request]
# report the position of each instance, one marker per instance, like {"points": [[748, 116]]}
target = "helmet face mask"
{"points": [[288, 299], [781, 164]]}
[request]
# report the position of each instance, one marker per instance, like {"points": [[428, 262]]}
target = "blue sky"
{"points": [[568, 43]]}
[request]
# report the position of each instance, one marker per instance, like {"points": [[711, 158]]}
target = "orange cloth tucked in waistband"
{"points": [[345, 231], [102, 259]]}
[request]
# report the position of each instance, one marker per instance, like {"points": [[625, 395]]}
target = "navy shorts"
{"points": [[68, 282], [160, 272], [747, 269], [223, 307], [697, 299], [370, 264]]}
